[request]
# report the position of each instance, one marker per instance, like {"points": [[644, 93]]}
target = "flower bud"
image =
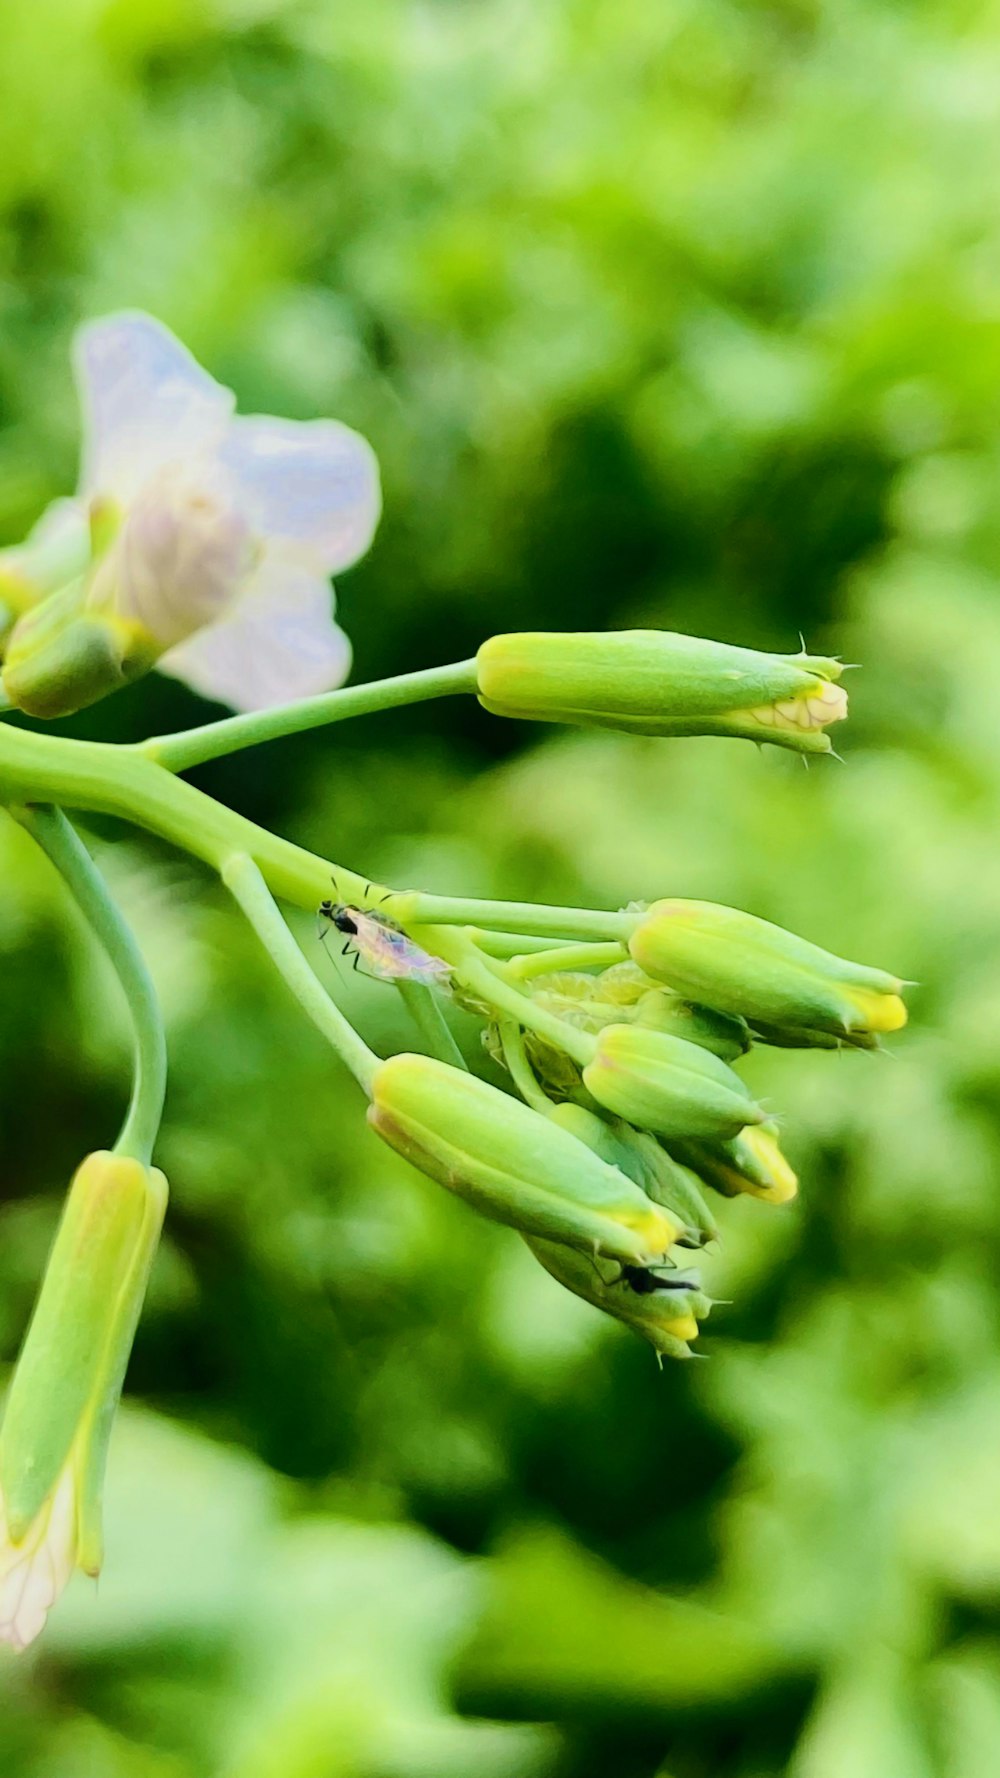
{"points": [[60, 658], [663, 1306], [60, 1408], [640, 1157], [656, 682], [751, 1162], [754, 970], [661, 1010], [512, 1163], [661, 1083]]}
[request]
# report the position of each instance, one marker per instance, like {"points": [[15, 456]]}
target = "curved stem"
{"points": [[242, 877], [419, 1001], [50, 828], [520, 1069], [193, 747]]}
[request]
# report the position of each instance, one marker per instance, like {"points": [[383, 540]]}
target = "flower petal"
{"points": [[33, 1575], [146, 403], [279, 644], [313, 485]]}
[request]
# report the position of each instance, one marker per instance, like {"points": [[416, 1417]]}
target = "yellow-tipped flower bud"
{"points": [[751, 1162], [757, 971], [661, 1083], [663, 1306], [656, 682], [512, 1163], [59, 1412]]}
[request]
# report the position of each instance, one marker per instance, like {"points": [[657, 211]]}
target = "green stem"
{"points": [[596, 956], [413, 908], [483, 976], [422, 1006], [242, 877], [520, 1069], [118, 781], [194, 746], [50, 828]]}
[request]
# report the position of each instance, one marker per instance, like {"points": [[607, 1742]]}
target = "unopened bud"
{"points": [[640, 1157], [663, 1306], [60, 657], [661, 1083], [751, 1162], [656, 682], [755, 970], [511, 1163], [59, 1412]]}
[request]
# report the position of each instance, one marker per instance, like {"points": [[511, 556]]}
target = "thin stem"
{"points": [[596, 956], [242, 877], [50, 828], [486, 977], [413, 908], [520, 1069], [422, 1006], [213, 739]]}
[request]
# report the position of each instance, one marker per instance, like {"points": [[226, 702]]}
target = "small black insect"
{"points": [[382, 947], [646, 1281]]}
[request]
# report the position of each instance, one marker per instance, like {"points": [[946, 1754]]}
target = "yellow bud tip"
{"points": [[685, 1328], [813, 709], [782, 1185], [880, 1013]]}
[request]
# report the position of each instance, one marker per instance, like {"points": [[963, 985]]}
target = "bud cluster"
{"points": [[633, 1103]]}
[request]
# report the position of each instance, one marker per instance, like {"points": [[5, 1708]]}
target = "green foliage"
{"points": [[673, 315]]}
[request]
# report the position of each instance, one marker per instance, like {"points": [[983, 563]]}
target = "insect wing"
{"points": [[390, 956]]}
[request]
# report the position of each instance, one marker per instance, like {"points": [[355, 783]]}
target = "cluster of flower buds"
{"points": [[632, 1103]]}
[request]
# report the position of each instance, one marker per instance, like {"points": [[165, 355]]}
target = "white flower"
{"points": [[34, 1572], [230, 526]]}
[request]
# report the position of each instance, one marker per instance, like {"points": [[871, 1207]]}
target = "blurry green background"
{"points": [[670, 311]]}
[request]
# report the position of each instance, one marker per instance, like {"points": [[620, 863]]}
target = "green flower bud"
{"points": [[59, 1412], [661, 1083], [757, 971], [60, 657], [751, 1162], [512, 1163], [656, 682], [663, 1306], [640, 1157], [726, 1037]]}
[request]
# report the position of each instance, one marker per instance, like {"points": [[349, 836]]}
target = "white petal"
{"points": [[279, 644], [312, 485], [33, 1574], [146, 403], [55, 549]]}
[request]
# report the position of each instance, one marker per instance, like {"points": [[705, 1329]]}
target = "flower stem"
{"points": [[413, 907], [425, 1011], [50, 828], [595, 956], [245, 882], [488, 979], [520, 1069], [213, 739]]}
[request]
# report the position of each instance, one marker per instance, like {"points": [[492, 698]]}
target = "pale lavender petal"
{"points": [[279, 644], [311, 485], [146, 403]]}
